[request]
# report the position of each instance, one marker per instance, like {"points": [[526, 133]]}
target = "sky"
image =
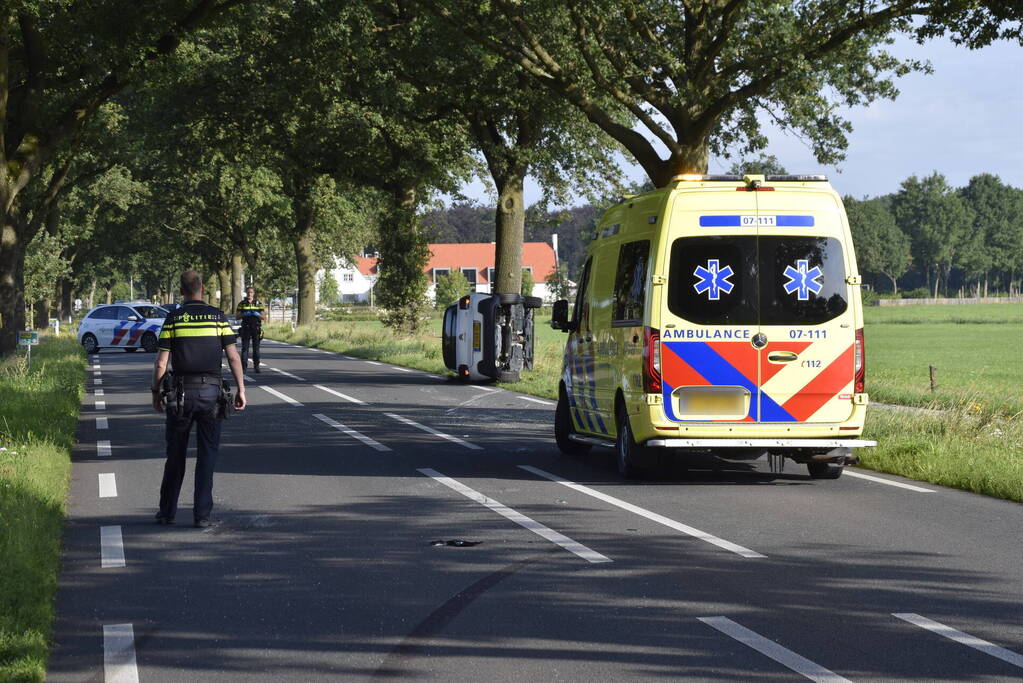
{"points": [[965, 118]]}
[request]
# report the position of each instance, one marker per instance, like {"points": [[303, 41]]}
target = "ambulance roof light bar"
{"points": [[732, 177]]}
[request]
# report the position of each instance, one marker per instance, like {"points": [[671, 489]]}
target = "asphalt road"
{"points": [[333, 485]]}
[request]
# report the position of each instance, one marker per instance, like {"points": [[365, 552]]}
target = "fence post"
{"points": [[933, 371]]}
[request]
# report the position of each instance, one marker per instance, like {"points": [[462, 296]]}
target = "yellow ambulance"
{"points": [[721, 315]]}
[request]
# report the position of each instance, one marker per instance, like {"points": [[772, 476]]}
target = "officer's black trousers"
{"points": [[200, 409], [250, 335]]}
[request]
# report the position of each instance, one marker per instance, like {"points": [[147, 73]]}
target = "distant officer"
{"points": [[250, 312], [194, 337]]}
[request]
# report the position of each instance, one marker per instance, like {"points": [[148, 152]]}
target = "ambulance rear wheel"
{"points": [[628, 453], [824, 470], [563, 428]]}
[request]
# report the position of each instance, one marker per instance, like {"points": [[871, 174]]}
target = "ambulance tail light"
{"points": [[651, 360], [860, 363]]}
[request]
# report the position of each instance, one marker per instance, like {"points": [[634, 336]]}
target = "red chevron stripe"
{"points": [[822, 388], [134, 339], [677, 372], [740, 355], [118, 335]]}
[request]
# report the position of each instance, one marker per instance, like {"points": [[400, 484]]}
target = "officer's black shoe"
{"points": [[256, 369], [163, 521], [203, 523]]}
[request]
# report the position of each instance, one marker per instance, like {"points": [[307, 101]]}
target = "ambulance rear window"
{"points": [[749, 280]]}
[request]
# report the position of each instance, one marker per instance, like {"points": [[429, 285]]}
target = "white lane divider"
{"points": [[653, 516], [910, 487], [101, 405], [537, 400], [101, 423], [98, 392], [537, 528], [119, 664], [249, 379], [97, 373], [352, 433], [97, 382], [287, 374], [373, 362], [281, 396], [103, 449], [431, 430], [801, 665], [107, 485], [963, 638], [95, 367], [111, 547], [350, 399]]}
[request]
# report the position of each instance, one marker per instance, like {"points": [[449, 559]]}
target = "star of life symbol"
{"points": [[713, 279], [803, 279]]}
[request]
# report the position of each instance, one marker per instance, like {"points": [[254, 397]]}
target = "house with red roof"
{"points": [[475, 261]]}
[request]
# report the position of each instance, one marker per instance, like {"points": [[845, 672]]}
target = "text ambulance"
{"points": [[720, 314]]}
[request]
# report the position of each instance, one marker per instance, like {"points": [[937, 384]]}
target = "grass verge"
{"points": [[975, 443], [38, 415]]}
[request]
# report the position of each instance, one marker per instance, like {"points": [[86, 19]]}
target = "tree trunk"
{"points": [[42, 314], [895, 284], [511, 222], [12, 291], [109, 287], [224, 278], [92, 294], [305, 262], [692, 157], [237, 278], [64, 311]]}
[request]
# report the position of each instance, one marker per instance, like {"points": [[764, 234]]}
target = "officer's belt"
{"points": [[192, 381]]}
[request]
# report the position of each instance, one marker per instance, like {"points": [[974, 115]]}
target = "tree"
{"points": [[997, 228], [329, 292], [450, 287], [937, 220], [527, 283], [695, 75], [763, 164], [881, 247], [558, 284]]}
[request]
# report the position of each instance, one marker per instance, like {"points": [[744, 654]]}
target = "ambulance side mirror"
{"points": [[559, 316]]}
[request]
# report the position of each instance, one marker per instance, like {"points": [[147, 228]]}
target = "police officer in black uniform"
{"points": [[250, 312], [194, 337]]}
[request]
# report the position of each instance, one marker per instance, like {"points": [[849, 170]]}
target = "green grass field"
{"points": [[38, 414], [974, 443]]}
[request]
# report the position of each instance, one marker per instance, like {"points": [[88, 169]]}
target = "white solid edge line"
{"points": [[536, 527], [101, 423], [281, 396], [107, 485], [103, 449], [346, 397], [879, 480], [475, 386], [537, 400], [801, 665], [653, 516], [352, 433], [249, 379], [373, 362], [431, 430], [963, 638], [287, 374], [119, 665], [111, 547], [395, 367]]}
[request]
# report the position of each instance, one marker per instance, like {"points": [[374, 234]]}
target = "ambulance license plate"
{"points": [[703, 401], [476, 333]]}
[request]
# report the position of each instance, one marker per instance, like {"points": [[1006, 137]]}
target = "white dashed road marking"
{"points": [[352, 433], [99, 392], [431, 430], [103, 449], [801, 665], [97, 382], [963, 638], [346, 397], [282, 396], [653, 516], [287, 374], [101, 423], [537, 400], [119, 664], [111, 547], [889, 482], [546, 532], [107, 485]]}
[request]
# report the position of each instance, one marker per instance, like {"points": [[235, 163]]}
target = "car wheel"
{"points": [[533, 302], [627, 450], [509, 299], [149, 342], [563, 428], [824, 470], [90, 344]]}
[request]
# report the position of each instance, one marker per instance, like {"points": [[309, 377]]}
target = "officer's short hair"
{"points": [[191, 283], [250, 287]]}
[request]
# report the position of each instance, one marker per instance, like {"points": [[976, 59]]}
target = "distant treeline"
{"points": [[927, 235]]}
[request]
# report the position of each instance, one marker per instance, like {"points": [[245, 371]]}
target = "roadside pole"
{"points": [[28, 338]]}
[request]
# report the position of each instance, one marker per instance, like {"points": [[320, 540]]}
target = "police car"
{"points": [[128, 326]]}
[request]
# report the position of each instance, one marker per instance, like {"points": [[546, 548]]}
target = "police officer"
{"points": [[250, 312], [194, 337]]}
